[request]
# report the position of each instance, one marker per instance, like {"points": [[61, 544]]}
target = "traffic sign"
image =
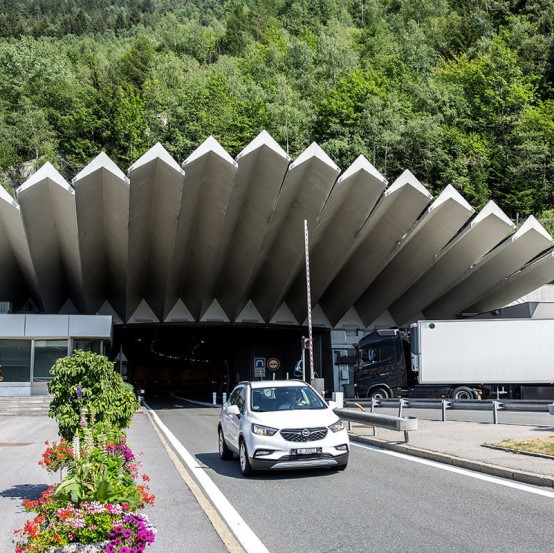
{"points": [[259, 367], [273, 364]]}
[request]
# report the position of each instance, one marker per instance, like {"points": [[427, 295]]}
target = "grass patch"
{"points": [[538, 445]]}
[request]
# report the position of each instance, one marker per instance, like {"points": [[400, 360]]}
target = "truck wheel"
{"points": [[378, 393], [463, 392]]}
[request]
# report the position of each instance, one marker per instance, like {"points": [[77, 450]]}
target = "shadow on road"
{"points": [[231, 469], [24, 491]]}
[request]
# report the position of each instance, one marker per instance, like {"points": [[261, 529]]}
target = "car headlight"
{"points": [[263, 430], [337, 426]]}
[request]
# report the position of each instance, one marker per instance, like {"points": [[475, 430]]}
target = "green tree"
{"points": [[102, 390]]}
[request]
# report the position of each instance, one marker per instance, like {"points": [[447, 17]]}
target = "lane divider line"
{"points": [[458, 470], [243, 533], [227, 537]]}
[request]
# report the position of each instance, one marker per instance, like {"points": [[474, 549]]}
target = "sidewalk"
{"points": [[461, 444], [181, 522]]}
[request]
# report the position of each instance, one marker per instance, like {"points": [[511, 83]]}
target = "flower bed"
{"points": [[95, 508]]}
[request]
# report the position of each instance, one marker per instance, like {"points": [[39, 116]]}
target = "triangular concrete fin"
{"points": [[143, 314], [407, 178], [318, 317], [107, 309], [350, 320], [179, 313], [156, 152], [29, 307], [362, 164], [7, 197], [214, 313], [532, 223], [384, 320], [47, 171], [68, 308], [284, 316], [209, 145], [101, 161], [263, 139], [314, 150], [450, 193], [249, 314], [492, 209]]}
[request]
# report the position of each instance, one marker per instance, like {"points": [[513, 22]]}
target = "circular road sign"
{"points": [[273, 364]]}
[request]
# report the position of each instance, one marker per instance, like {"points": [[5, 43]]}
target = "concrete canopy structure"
{"points": [[221, 240]]}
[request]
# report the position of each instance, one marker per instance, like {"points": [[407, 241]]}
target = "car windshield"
{"points": [[285, 398]]}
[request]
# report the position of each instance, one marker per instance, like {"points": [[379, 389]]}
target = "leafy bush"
{"points": [[88, 381]]}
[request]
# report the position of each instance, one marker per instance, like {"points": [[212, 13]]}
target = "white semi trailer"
{"points": [[460, 359]]}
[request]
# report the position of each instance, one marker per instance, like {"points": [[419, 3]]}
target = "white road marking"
{"points": [[202, 403], [459, 470], [242, 531]]}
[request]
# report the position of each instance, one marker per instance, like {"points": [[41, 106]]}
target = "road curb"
{"points": [[485, 468]]}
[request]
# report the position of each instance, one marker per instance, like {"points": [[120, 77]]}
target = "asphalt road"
{"points": [[380, 503]]}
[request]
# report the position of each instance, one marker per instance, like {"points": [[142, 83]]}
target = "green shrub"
{"points": [[104, 394]]}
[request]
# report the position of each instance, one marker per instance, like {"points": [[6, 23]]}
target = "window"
{"points": [[387, 354], [234, 396], [15, 360], [369, 355], [280, 398], [88, 345], [47, 352], [241, 400]]}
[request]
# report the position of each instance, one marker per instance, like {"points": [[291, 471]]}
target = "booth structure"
{"points": [[31, 344]]}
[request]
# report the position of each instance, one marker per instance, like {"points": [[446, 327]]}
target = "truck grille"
{"points": [[297, 435]]}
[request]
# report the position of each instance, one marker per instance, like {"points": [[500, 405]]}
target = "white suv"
{"points": [[281, 424]]}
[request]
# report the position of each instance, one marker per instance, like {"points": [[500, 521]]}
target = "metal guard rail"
{"points": [[391, 422], [457, 404]]}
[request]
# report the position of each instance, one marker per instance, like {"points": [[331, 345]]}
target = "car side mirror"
{"points": [[332, 404], [233, 410]]}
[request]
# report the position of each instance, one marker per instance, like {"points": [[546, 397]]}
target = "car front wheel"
{"points": [[245, 467], [224, 452]]}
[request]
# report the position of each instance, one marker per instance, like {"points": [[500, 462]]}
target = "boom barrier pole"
{"points": [[309, 301]]}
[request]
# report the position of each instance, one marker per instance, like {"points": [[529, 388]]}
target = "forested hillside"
{"points": [[458, 91]]}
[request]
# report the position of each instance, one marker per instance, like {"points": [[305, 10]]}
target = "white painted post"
{"points": [[214, 399], [224, 397], [338, 397]]}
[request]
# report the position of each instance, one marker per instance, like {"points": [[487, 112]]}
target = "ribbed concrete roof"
{"points": [[219, 239]]}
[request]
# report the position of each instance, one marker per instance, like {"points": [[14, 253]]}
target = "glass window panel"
{"points": [[15, 360], [87, 345], [47, 352]]}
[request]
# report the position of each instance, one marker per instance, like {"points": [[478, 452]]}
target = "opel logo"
{"points": [[305, 432]]}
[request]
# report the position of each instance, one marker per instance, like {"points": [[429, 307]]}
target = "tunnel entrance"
{"points": [[197, 360]]}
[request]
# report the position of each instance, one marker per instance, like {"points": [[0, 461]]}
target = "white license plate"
{"points": [[307, 451]]}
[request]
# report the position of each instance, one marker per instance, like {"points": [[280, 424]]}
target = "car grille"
{"points": [[295, 434]]}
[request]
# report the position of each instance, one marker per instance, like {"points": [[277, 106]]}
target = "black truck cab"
{"points": [[381, 364]]}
